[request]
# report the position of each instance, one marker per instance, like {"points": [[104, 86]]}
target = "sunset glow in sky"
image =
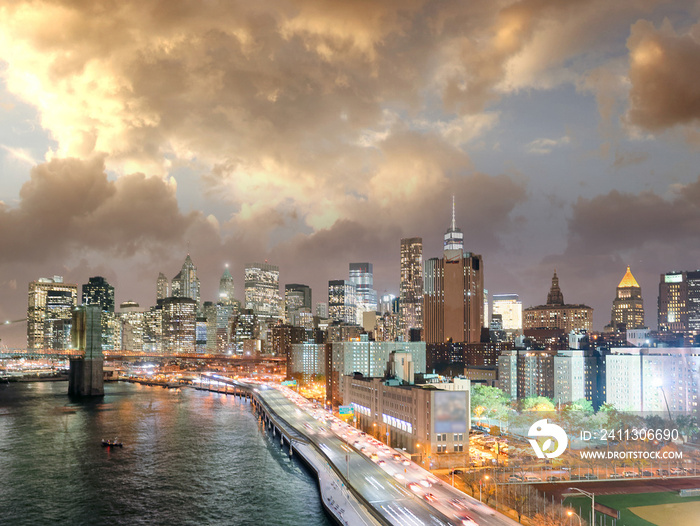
{"points": [[315, 133]]}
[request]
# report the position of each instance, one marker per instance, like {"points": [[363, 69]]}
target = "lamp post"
{"points": [[660, 386], [592, 497], [571, 513]]}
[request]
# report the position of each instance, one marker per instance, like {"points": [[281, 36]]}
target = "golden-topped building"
{"points": [[627, 307]]}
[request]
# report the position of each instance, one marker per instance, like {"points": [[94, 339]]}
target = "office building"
{"points": [[262, 291], [297, 300], [50, 306], [410, 286], [132, 327], [97, 291], [153, 336], [226, 288], [454, 292], [322, 310], [510, 309], [362, 276], [557, 316], [162, 287], [429, 421], [219, 318], [179, 325], [628, 306], [342, 305], [368, 358], [186, 283]]}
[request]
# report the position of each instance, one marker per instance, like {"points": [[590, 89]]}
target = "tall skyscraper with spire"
{"points": [[628, 306], [226, 288], [454, 292], [411, 286], [186, 283]]}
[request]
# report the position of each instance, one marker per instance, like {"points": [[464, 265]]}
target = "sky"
{"points": [[315, 133]]}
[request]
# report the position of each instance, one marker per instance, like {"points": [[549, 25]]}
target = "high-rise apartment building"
{"points": [[226, 288], [454, 292], [49, 313], [362, 276], [556, 315], [162, 287], [510, 308], [262, 290], [411, 286], [628, 306], [341, 301], [186, 283]]}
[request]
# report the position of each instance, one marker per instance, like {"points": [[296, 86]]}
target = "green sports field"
{"points": [[645, 509]]}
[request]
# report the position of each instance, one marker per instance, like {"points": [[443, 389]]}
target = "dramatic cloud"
{"points": [[69, 205], [663, 74]]}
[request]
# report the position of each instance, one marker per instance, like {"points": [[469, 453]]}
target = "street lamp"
{"points": [[592, 497], [486, 477], [658, 384], [571, 513]]}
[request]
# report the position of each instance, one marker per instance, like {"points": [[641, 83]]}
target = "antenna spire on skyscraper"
{"points": [[453, 212]]}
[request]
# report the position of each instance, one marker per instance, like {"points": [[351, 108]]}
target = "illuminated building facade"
{"points": [[297, 300], [454, 293], [628, 307], [362, 276], [556, 315], [97, 291], [510, 308], [186, 283], [162, 287], [179, 325], [226, 288], [262, 290], [342, 304], [133, 326], [49, 313], [411, 286], [673, 302]]}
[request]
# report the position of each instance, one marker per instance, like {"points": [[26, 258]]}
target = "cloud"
{"points": [[69, 206], [20, 154], [664, 89], [621, 222], [545, 146]]}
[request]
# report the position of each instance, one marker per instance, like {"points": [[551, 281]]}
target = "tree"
{"points": [[493, 401], [537, 403], [687, 425]]}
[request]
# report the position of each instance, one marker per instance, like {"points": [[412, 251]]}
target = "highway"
{"points": [[401, 491]]}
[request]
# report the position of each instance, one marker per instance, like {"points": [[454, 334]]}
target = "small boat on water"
{"points": [[111, 443]]}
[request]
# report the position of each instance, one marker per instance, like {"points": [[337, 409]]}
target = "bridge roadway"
{"points": [[386, 487]]}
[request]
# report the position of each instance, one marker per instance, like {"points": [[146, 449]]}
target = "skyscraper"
{"points": [[186, 283], [98, 292], [162, 287], [628, 307], [673, 302], [341, 301], [297, 298], [361, 275], [454, 292], [49, 313], [262, 290], [226, 288], [411, 286], [179, 322]]}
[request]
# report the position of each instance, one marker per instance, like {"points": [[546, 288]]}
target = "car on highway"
{"points": [[414, 487], [430, 497], [466, 520]]}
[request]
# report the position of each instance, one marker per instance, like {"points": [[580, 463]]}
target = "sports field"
{"points": [[645, 509]]}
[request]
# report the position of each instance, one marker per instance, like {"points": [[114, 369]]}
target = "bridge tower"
{"points": [[86, 372]]}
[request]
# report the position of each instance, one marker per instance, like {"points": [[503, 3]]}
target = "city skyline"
{"points": [[316, 137]]}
